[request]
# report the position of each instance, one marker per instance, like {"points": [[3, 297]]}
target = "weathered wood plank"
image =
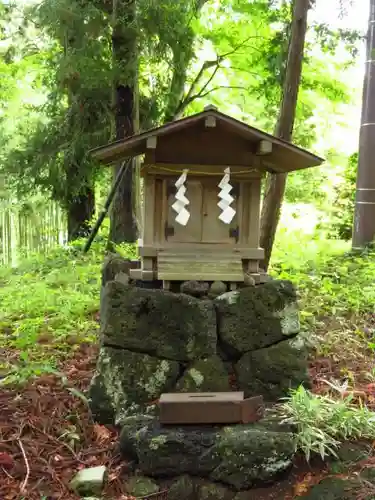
{"points": [[209, 248], [199, 266]]}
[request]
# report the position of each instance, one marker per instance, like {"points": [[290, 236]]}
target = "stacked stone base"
{"points": [[155, 341]]}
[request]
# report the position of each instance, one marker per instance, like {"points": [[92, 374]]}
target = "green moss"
{"points": [[212, 491], [182, 488], [158, 378], [207, 375], [197, 377], [257, 317], [127, 382], [334, 489], [161, 323], [140, 486], [158, 441], [274, 370]]}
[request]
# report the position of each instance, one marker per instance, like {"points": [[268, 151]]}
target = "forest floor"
{"points": [[48, 348]]}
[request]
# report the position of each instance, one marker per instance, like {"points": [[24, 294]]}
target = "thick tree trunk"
{"points": [[124, 47], [79, 199], [275, 184], [80, 212]]}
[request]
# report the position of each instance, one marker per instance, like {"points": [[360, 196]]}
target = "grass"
{"points": [[48, 308], [49, 303], [323, 423]]}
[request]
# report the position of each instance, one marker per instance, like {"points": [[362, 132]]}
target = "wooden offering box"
{"points": [[205, 228], [209, 408]]}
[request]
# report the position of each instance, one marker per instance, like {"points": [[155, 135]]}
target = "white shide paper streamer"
{"points": [[226, 199], [179, 205]]}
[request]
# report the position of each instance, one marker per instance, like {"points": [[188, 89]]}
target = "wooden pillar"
{"points": [[148, 264], [252, 266]]}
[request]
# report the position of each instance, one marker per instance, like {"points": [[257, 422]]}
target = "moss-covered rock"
{"points": [[333, 488], [90, 481], [115, 264], [158, 322], [141, 486], [348, 455], [183, 488], [126, 382], [217, 288], [214, 491], [237, 455], [205, 375], [255, 317], [249, 454], [195, 288], [132, 424], [272, 371]]}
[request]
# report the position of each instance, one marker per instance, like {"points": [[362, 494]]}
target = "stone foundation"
{"points": [[234, 458], [194, 340]]}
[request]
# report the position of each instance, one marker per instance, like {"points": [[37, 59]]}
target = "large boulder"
{"points": [[127, 383], [238, 456], [207, 375], [273, 370], [161, 323], [257, 317]]}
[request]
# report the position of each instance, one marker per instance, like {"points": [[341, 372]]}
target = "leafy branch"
{"points": [[191, 94], [219, 87]]}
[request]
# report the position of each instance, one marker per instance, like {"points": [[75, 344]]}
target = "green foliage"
{"points": [[190, 52], [331, 281], [48, 307], [341, 224], [322, 423]]}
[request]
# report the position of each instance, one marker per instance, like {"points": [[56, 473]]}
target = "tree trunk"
{"points": [[80, 211], [275, 183], [123, 227], [79, 200]]}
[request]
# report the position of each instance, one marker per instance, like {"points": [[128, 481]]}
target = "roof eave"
{"points": [[137, 144]]}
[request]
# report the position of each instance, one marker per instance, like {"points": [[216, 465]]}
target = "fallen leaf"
{"points": [[303, 486], [6, 461], [102, 434]]}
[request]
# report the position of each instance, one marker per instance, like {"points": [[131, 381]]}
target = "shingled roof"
{"points": [[284, 156]]}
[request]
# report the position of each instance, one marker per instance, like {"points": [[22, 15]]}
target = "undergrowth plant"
{"points": [[331, 280], [336, 289], [49, 306], [322, 423], [49, 302]]}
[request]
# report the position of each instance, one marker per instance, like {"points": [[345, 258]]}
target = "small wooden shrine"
{"points": [[202, 195]]}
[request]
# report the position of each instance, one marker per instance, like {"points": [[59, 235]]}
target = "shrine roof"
{"points": [[282, 156]]}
